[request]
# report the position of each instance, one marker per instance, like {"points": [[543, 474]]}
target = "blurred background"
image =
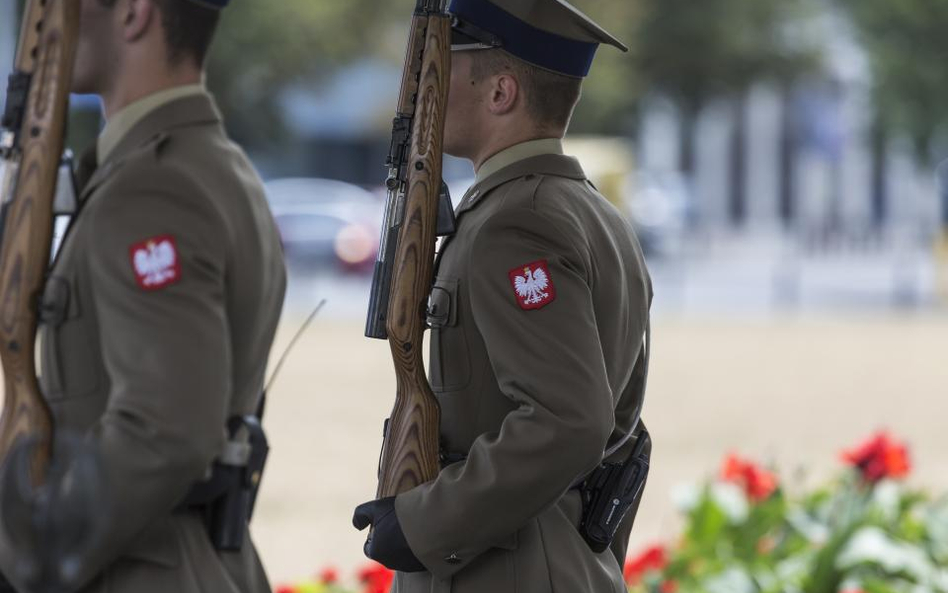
{"points": [[779, 160]]}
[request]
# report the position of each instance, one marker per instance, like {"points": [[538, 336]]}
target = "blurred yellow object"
{"points": [[941, 266], [607, 161]]}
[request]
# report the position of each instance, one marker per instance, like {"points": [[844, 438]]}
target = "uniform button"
{"points": [[453, 559]]}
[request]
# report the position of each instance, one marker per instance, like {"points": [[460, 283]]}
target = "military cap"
{"points": [[551, 34]]}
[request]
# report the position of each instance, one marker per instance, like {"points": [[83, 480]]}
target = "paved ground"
{"points": [[791, 391]]}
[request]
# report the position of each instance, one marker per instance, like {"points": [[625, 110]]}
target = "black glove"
{"points": [[5, 586], [386, 544], [52, 528]]}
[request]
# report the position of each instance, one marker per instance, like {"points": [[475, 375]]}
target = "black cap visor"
{"points": [[465, 36]]}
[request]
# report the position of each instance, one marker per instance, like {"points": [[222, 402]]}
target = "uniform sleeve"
{"points": [[546, 355], [157, 265]]}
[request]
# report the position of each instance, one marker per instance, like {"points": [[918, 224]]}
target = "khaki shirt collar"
{"points": [[518, 152], [151, 130], [558, 165], [120, 124]]}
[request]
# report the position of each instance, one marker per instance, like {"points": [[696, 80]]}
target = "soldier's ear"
{"points": [[139, 16], [505, 94]]}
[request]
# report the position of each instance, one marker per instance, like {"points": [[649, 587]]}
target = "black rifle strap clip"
{"points": [[447, 223], [18, 89], [448, 457]]}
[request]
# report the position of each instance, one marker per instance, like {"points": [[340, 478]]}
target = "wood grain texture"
{"points": [[47, 49], [413, 55], [34, 13], [410, 453]]}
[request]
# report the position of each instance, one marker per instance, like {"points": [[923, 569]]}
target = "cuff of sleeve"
{"points": [[8, 567], [440, 562]]}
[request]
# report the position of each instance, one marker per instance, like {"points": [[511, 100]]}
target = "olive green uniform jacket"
{"points": [[533, 384], [159, 313]]}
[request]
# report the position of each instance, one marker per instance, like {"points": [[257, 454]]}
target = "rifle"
{"points": [[31, 143], [403, 271]]}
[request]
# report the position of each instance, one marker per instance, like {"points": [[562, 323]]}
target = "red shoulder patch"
{"points": [[155, 262], [532, 285]]}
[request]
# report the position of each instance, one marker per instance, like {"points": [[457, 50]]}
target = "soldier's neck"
{"points": [[505, 138], [137, 84]]}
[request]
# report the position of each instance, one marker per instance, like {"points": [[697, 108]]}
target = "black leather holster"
{"points": [[227, 497], [609, 491]]}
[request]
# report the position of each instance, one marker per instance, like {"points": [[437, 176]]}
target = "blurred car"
{"points": [[325, 222], [288, 192]]}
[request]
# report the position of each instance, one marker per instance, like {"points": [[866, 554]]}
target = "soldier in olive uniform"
{"points": [[161, 304], [539, 317]]}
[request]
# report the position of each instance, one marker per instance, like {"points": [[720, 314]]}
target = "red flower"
{"points": [[879, 457], [376, 578], [766, 544], [329, 575], [758, 483], [654, 558]]}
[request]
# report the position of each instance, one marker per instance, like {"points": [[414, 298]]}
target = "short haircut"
{"points": [[189, 28], [550, 97]]}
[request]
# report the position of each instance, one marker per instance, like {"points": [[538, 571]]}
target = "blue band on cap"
{"points": [[523, 40], [213, 3]]}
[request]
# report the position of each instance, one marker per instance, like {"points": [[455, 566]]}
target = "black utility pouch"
{"points": [[609, 492]]}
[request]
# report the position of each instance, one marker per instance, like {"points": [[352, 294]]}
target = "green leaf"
{"points": [[707, 523]]}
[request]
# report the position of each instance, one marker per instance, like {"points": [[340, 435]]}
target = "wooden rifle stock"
{"points": [[32, 149], [410, 450]]}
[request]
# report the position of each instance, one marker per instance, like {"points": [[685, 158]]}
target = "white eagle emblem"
{"points": [[156, 262], [533, 285]]}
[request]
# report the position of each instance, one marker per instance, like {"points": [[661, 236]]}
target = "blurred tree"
{"points": [[694, 52], [907, 49], [263, 46], [613, 88]]}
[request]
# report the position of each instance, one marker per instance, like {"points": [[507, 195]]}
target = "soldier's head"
{"points": [[517, 71], [122, 38]]}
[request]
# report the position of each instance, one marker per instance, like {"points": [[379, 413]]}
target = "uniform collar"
{"points": [[558, 165], [152, 128], [518, 152], [122, 122]]}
